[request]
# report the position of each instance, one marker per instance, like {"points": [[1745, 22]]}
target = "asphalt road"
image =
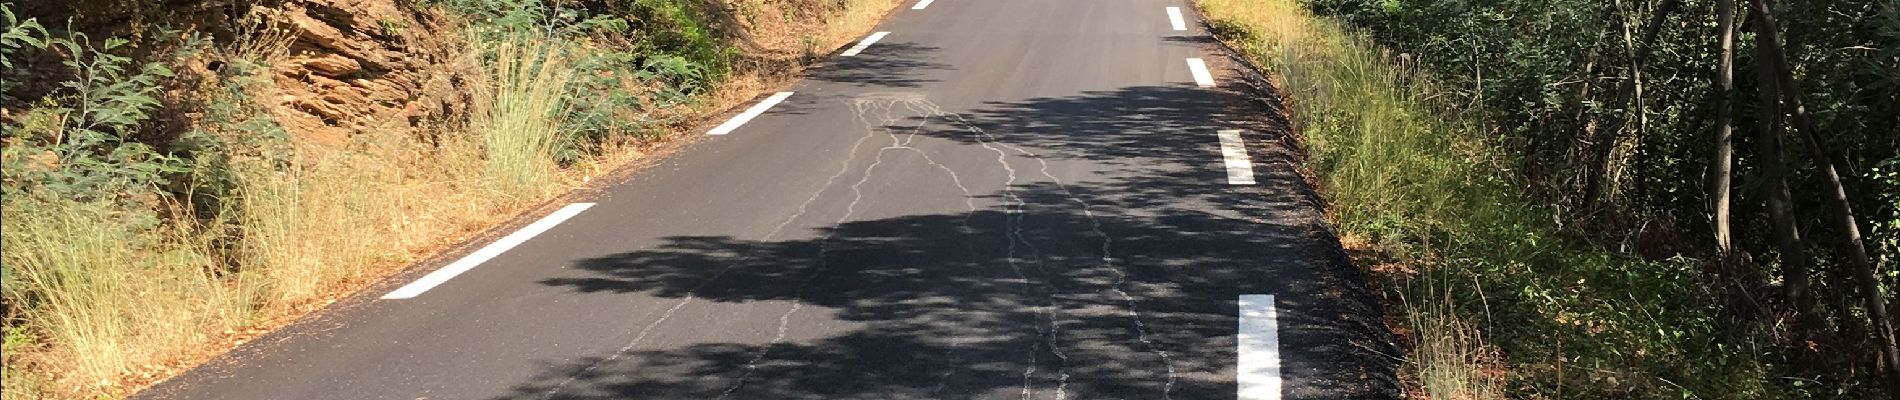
{"points": [[998, 199]]}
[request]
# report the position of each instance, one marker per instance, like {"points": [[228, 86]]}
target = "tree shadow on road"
{"points": [[889, 64], [1018, 294]]}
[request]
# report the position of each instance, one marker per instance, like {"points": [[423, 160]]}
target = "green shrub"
{"points": [[624, 68], [87, 152], [97, 274], [1411, 169], [679, 28], [1545, 92]]}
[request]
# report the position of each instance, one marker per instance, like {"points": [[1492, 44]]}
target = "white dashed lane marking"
{"points": [[469, 262], [1199, 68], [1258, 344], [1233, 153], [749, 114], [864, 44]]}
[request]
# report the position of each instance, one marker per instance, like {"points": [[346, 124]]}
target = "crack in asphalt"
{"points": [[860, 106], [1049, 328], [692, 294], [923, 107], [1107, 250], [1019, 247]]}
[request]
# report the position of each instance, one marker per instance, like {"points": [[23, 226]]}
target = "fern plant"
{"points": [[15, 35], [18, 33]]}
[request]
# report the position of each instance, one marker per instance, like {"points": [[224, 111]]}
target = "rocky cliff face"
{"points": [[358, 66], [350, 66]]}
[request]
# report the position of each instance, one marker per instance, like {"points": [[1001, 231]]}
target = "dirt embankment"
{"points": [[346, 68], [354, 67], [360, 66]]}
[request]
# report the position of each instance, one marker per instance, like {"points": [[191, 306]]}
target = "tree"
{"points": [[1597, 164], [1724, 147], [1768, 37]]}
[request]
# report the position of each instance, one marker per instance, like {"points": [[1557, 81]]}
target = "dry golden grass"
{"points": [[340, 213], [117, 291], [859, 16], [780, 42], [1449, 359], [113, 292], [521, 124]]}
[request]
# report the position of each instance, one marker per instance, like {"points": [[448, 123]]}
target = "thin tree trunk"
{"points": [[1794, 258], [1597, 161], [1586, 124], [1768, 35], [1724, 147]]}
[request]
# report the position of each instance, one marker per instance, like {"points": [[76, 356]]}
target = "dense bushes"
{"points": [[1547, 74], [1620, 159]]}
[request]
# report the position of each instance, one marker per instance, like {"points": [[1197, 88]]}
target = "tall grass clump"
{"points": [[1386, 163], [113, 290], [334, 218], [88, 256], [1495, 301], [1449, 358], [1364, 116], [317, 219], [120, 259], [523, 123]]}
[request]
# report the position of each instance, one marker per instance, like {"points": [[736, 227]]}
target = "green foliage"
{"points": [[1541, 75], [672, 44], [661, 35], [86, 151], [235, 133], [19, 33], [391, 28], [684, 77], [1414, 168], [680, 28], [1884, 235], [633, 62]]}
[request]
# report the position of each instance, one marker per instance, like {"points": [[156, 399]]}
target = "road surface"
{"points": [[989, 199]]}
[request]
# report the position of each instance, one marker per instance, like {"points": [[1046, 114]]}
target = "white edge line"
{"points": [[749, 114], [1174, 17], [1233, 153], [864, 44], [472, 260], [1199, 69], [1258, 346], [921, 4]]}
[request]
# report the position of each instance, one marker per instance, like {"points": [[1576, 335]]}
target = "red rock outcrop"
{"points": [[357, 66]]}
